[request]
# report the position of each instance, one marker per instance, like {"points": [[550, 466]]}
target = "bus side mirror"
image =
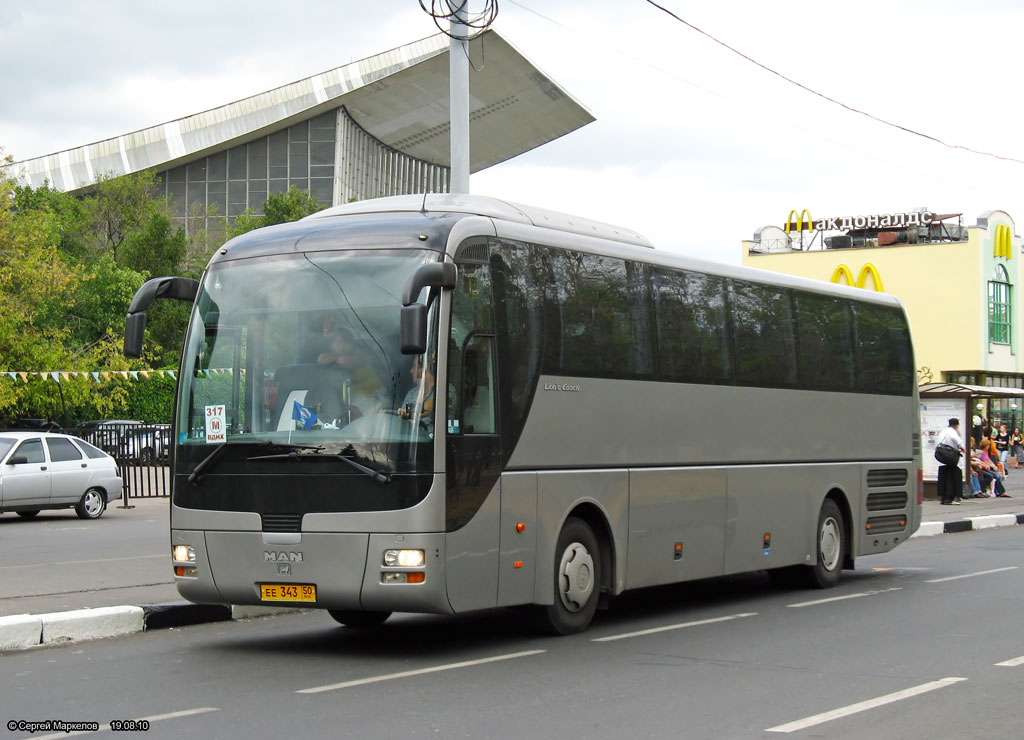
{"points": [[413, 324], [414, 329], [176, 288], [134, 330]]}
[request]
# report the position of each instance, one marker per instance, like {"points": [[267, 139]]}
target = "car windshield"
{"points": [[304, 349]]}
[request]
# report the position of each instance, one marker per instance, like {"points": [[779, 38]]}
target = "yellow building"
{"points": [[959, 284]]}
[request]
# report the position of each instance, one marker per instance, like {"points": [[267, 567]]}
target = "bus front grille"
{"points": [[282, 522]]}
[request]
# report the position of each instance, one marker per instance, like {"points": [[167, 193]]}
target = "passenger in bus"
{"points": [[423, 383], [950, 482], [350, 354]]}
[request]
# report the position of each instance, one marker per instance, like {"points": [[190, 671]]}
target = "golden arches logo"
{"points": [[867, 271], [799, 223], [1003, 240]]}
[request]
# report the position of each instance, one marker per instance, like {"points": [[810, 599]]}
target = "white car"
{"points": [[55, 471]]}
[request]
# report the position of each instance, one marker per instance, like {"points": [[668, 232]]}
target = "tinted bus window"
{"points": [[604, 325], [884, 360], [763, 335], [691, 326], [825, 355]]}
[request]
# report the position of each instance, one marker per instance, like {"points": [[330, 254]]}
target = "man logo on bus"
{"points": [[799, 225], [1003, 242], [282, 556], [843, 276]]}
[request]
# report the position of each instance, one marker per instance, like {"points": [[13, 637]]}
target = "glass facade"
{"points": [[328, 156]]}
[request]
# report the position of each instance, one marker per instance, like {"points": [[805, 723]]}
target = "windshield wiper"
{"points": [[294, 454], [197, 471]]}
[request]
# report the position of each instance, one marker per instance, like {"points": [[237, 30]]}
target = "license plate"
{"points": [[287, 592]]}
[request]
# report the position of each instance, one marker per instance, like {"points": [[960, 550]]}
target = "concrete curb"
{"points": [[31, 630], [969, 524]]}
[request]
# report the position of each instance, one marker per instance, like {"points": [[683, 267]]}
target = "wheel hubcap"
{"points": [[575, 577], [92, 504], [830, 544]]}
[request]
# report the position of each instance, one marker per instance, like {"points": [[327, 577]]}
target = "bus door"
{"points": [[473, 448]]}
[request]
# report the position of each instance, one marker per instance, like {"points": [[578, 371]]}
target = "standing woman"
{"points": [[1002, 440], [1017, 448], [950, 482]]}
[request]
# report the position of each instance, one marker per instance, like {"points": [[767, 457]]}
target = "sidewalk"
{"points": [[101, 603]]}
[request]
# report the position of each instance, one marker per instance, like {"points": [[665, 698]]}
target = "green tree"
{"points": [[279, 208]]}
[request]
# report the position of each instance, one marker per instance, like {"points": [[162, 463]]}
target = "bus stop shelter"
{"points": [[942, 401]]}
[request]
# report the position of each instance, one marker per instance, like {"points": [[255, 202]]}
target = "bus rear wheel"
{"points": [[830, 537], [577, 581], [357, 619]]}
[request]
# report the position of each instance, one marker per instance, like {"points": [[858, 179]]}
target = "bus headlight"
{"points": [[404, 558], [183, 554]]}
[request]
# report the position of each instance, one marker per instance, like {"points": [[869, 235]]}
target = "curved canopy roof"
{"points": [[400, 97]]}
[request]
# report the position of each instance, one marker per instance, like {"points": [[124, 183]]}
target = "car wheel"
{"points": [[29, 514], [357, 619], [92, 504], [577, 577]]}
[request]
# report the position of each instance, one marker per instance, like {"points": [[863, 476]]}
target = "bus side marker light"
{"points": [[678, 553], [517, 564], [520, 527]]}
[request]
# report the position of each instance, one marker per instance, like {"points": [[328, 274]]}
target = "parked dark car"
{"points": [[109, 435], [148, 444]]}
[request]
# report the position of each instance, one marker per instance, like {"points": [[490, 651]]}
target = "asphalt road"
{"points": [[921, 642]]}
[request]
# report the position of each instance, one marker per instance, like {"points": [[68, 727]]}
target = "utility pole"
{"points": [[458, 92]]}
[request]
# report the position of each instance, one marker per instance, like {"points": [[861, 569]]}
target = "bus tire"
{"points": [[577, 581], [831, 548], [357, 619]]}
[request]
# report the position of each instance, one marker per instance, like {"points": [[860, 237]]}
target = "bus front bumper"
{"points": [[370, 572]]}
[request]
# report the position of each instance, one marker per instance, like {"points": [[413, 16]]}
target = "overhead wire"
{"points": [[829, 99], [446, 12]]}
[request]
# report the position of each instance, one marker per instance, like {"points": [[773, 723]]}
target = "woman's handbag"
{"points": [[947, 454]]}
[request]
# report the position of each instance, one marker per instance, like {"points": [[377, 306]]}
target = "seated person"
{"points": [[423, 383], [988, 471]]}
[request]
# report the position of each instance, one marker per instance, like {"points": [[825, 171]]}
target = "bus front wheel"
{"points": [[577, 581], [357, 619]]}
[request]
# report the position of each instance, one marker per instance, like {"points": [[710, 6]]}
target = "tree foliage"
{"points": [[69, 267]]}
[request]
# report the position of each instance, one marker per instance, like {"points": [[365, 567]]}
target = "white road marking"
{"points": [[684, 625], [843, 598], [152, 718], [1012, 663], [971, 575], [863, 706], [417, 672]]}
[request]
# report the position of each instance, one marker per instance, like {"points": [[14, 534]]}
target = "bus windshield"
{"points": [[302, 351]]}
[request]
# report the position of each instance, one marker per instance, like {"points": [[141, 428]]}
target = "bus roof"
{"points": [[482, 205]]}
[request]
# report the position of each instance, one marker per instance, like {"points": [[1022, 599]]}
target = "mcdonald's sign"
{"points": [[1003, 240], [799, 224], [868, 270]]}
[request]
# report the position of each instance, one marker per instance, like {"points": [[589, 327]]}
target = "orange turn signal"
{"points": [[416, 577]]}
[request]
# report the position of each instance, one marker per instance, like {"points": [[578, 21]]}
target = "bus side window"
{"points": [[478, 386]]}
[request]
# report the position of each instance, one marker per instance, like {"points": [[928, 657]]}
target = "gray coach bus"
{"points": [[448, 403]]}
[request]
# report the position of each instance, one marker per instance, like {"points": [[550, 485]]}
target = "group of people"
{"points": [[992, 451]]}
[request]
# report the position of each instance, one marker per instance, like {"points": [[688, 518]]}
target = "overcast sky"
{"points": [[693, 146]]}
